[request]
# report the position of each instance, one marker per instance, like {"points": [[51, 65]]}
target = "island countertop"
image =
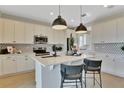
{"points": [[56, 60]]}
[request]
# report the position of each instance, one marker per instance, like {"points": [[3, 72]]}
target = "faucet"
{"points": [[54, 49]]}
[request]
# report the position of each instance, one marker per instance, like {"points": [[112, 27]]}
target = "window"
{"points": [[82, 40]]}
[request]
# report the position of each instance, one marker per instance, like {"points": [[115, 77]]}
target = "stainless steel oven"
{"points": [[40, 39]]}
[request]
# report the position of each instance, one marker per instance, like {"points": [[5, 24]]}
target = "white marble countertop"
{"points": [[56, 60]]}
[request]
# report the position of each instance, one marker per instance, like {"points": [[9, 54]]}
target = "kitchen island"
{"points": [[47, 69]]}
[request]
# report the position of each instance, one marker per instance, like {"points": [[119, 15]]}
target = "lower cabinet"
{"points": [[29, 63], [112, 64], [119, 67], [13, 64], [21, 64], [9, 65], [0, 66]]}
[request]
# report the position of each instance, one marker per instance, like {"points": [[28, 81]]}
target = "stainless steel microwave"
{"points": [[40, 39]]}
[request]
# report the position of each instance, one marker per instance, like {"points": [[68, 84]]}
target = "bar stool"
{"points": [[71, 72], [92, 66]]}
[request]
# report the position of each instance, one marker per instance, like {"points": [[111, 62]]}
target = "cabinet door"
{"points": [[29, 63], [29, 33], [1, 66], [108, 64], [50, 35], [1, 30], [21, 64], [19, 32], [120, 29], [8, 34], [119, 66], [109, 33], [96, 33], [38, 30], [9, 65]]}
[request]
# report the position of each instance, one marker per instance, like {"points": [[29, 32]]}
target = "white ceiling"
{"points": [[71, 13]]}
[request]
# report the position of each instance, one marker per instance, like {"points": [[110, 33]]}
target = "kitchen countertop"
{"points": [[58, 60]]}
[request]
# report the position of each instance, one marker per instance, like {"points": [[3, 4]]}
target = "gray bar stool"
{"points": [[71, 72], [92, 66]]}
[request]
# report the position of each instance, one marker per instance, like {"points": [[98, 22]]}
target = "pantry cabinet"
{"points": [[29, 33], [8, 33]]}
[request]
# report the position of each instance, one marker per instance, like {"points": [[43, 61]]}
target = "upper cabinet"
{"points": [[109, 33], [1, 30], [96, 33], [120, 29], [38, 30], [105, 32], [8, 33], [29, 33], [19, 35]]}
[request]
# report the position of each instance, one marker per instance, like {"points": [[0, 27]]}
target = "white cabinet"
{"points": [[1, 66], [1, 30], [105, 32], [9, 65], [29, 33], [29, 63], [8, 33], [109, 33], [19, 34], [119, 66], [21, 64], [112, 64], [96, 33], [38, 30], [120, 29]]}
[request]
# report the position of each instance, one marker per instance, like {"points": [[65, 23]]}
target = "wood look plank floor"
{"points": [[27, 80]]}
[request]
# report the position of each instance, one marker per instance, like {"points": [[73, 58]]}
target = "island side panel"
{"points": [[51, 77], [38, 75]]}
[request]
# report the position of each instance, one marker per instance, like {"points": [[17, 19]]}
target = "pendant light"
{"points": [[59, 23], [81, 28]]}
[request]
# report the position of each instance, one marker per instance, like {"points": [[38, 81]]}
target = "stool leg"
{"points": [[62, 81], [81, 82], [76, 84], [100, 79], [93, 78], [85, 79]]}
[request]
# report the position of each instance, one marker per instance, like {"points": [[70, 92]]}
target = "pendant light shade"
{"points": [[59, 23], [81, 28]]}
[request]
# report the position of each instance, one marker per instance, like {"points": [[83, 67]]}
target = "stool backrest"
{"points": [[71, 69], [92, 63]]}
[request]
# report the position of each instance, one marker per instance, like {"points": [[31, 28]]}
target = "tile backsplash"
{"points": [[29, 47], [109, 48]]}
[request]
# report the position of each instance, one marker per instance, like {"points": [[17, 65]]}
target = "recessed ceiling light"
{"points": [[72, 20], [51, 13], [108, 6]]}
